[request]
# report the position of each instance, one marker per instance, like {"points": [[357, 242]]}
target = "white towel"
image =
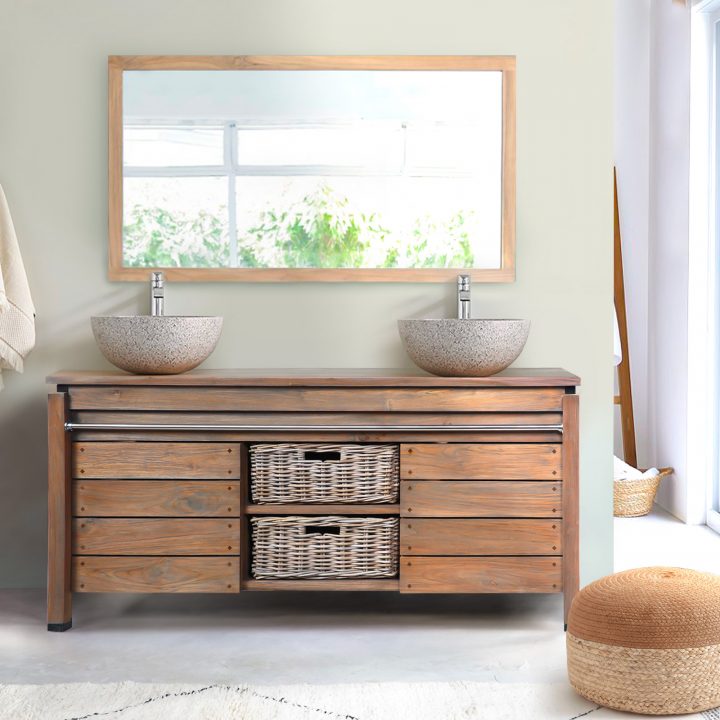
{"points": [[623, 471], [17, 312]]}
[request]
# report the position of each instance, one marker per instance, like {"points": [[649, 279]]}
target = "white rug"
{"points": [[388, 701]]}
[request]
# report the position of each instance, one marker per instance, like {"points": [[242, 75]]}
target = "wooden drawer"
{"points": [[480, 574], [480, 461], [162, 574], [480, 537], [176, 460], [289, 399], [130, 536], [489, 498], [156, 498]]}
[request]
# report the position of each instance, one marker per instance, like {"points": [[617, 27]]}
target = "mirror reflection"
{"points": [[312, 169]]}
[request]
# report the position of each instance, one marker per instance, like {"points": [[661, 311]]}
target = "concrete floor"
{"points": [[319, 637], [284, 638]]}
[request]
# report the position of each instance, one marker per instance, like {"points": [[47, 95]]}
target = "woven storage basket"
{"points": [[647, 641], [633, 498], [324, 547], [304, 473]]}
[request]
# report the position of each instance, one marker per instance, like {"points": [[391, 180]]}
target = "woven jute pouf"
{"points": [[647, 641]]}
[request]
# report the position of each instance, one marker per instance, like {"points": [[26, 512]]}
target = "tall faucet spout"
{"points": [[463, 290], [157, 294]]}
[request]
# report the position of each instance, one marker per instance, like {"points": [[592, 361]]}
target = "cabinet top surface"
{"points": [[318, 377]]}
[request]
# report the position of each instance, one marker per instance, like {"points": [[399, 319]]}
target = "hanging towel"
{"points": [[17, 312]]}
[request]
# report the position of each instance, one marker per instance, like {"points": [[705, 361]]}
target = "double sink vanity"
{"points": [[151, 480]]}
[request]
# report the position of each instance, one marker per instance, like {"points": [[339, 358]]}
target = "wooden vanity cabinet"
{"points": [[149, 478]]}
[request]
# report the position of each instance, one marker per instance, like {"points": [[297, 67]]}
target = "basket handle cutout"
{"points": [[322, 456], [322, 529]]}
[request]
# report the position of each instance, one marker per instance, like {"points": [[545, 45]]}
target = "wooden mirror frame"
{"points": [[117, 64]]}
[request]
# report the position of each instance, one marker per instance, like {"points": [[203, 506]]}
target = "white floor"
{"points": [[661, 539], [319, 638]]}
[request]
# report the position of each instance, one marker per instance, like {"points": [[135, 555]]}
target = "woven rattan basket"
{"points": [[304, 473], [324, 547], [633, 498]]}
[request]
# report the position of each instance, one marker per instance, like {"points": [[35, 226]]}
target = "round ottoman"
{"points": [[647, 641]]}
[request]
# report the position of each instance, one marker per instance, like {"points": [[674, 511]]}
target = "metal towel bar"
{"points": [[71, 426]]}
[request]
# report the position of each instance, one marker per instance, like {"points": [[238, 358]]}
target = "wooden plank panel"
{"points": [[478, 461], [480, 575], [138, 460], [571, 510], [130, 536], [59, 596], [389, 436], [156, 498], [486, 498], [259, 399], [319, 377], [480, 537], [151, 575], [310, 419]]}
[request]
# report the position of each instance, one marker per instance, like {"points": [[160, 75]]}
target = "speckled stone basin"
{"points": [[156, 345], [465, 348]]}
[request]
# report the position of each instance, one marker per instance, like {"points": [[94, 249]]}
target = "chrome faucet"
{"points": [[463, 288], [157, 294]]}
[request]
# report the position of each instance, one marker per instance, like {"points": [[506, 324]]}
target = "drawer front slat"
{"points": [[480, 575], [317, 399], [480, 537], [162, 574], [486, 498], [480, 461], [162, 460], [130, 536], [156, 498]]}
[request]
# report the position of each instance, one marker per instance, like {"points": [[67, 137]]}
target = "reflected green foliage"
{"points": [[440, 245], [319, 231], [155, 238]]}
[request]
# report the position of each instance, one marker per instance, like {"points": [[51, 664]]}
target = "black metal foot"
{"points": [[60, 627], [565, 629]]}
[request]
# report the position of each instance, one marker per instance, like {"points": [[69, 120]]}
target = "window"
{"points": [[196, 194]]}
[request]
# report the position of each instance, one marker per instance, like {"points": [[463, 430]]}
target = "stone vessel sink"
{"points": [[465, 348], [156, 344]]}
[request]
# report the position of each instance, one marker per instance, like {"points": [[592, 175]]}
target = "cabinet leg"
{"points": [[571, 510], [59, 592]]}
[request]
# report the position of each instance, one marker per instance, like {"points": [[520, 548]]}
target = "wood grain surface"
{"points": [[59, 596], [319, 377], [139, 460], [571, 499], [480, 574], [485, 498], [156, 498], [493, 536], [132, 536], [261, 399], [480, 461], [153, 575]]}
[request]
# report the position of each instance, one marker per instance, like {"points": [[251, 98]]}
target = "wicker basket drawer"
{"points": [[305, 473], [324, 547]]}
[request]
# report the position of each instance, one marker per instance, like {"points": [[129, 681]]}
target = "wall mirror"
{"points": [[262, 168]]}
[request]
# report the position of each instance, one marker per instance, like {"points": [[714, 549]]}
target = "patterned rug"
{"points": [[389, 701]]}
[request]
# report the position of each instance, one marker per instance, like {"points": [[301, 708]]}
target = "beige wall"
{"points": [[53, 168]]}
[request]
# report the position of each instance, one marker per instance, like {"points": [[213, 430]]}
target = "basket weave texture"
{"points": [[647, 641], [633, 498], [323, 547], [306, 473]]}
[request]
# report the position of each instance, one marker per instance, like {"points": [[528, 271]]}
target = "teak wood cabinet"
{"points": [[149, 478]]}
